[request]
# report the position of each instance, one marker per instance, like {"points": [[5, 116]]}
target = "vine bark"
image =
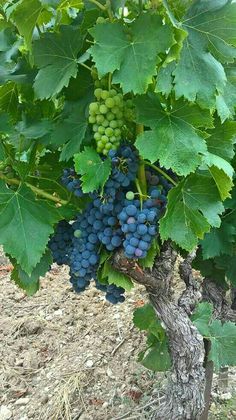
{"points": [[184, 397]]}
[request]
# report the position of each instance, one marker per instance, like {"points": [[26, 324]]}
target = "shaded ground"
{"points": [[68, 356]]}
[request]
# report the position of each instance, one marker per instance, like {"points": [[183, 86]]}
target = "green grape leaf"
{"points": [[226, 100], [71, 130], [177, 132], [65, 4], [55, 54], [223, 343], [165, 79], [143, 317], [202, 317], [119, 48], [227, 263], [116, 277], [222, 173], [149, 260], [30, 283], [211, 38], [93, 169], [25, 17], [222, 139], [157, 357], [22, 218], [9, 98], [219, 241], [193, 207]]}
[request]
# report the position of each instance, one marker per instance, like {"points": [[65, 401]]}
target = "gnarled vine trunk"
{"points": [[184, 397]]}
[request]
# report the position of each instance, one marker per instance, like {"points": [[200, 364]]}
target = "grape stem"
{"points": [[141, 196], [141, 169], [38, 191], [85, 66], [98, 4], [160, 172]]}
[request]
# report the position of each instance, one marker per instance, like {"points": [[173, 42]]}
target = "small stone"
{"points": [[22, 401], [225, 397], [105, 404], [5, 412], [89, 363], [110, 373], [44, 399]]}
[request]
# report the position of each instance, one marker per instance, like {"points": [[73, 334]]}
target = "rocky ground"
{"points": [[68, 356]]}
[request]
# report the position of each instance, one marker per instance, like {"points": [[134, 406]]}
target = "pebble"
{"points": [[225, 397], [89, 363], [5, 412], [22, 401]]}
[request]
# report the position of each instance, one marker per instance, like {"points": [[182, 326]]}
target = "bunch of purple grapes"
{"points": [[60, 243], [71, 181]]}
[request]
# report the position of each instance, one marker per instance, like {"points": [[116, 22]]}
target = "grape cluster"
{"points": [[107, 117], [113, 219], [72, 182], [60, 243]]}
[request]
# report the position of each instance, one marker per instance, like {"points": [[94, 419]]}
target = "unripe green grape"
{"points": [[100, 19], [92, 119], [112, 92], [105, 152], [104, 83], [77, 233], [100, 118], [117, 132], [109, 132], [95, 127], [119, 115], [93, 107], [97, 136], [101, 129], [108, 146], [103, 109], [113, 139], [109, 102], [105, 94], [115, 110], [113, 124], [105, 139], [100, 144], [99, 150], [130, 195], [129, 103], [105, 123], [97, 93], [97, 83], [118, 101], [120, 123], [110, 116]]}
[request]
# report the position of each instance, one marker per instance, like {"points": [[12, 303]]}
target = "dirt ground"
{"points": [[68, 356]]}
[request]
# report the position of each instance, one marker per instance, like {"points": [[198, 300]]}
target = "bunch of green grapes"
{"points": [[107, 117]]}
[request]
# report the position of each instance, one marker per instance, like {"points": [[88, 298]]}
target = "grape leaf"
{"points": [[221, 336], [193, 207], [116, 277], [22, 218], [143, 317], [9, 98], [202, 316], [222, 139], [119, 49], [222, 173], [228, 264], [71, 129], [226, 100], [223, 344], [177, 132], [157, 357], [55, 54], [25, 17], [219, 241], [93, 169], [211, 38], [149, 260], [30, 283]]}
